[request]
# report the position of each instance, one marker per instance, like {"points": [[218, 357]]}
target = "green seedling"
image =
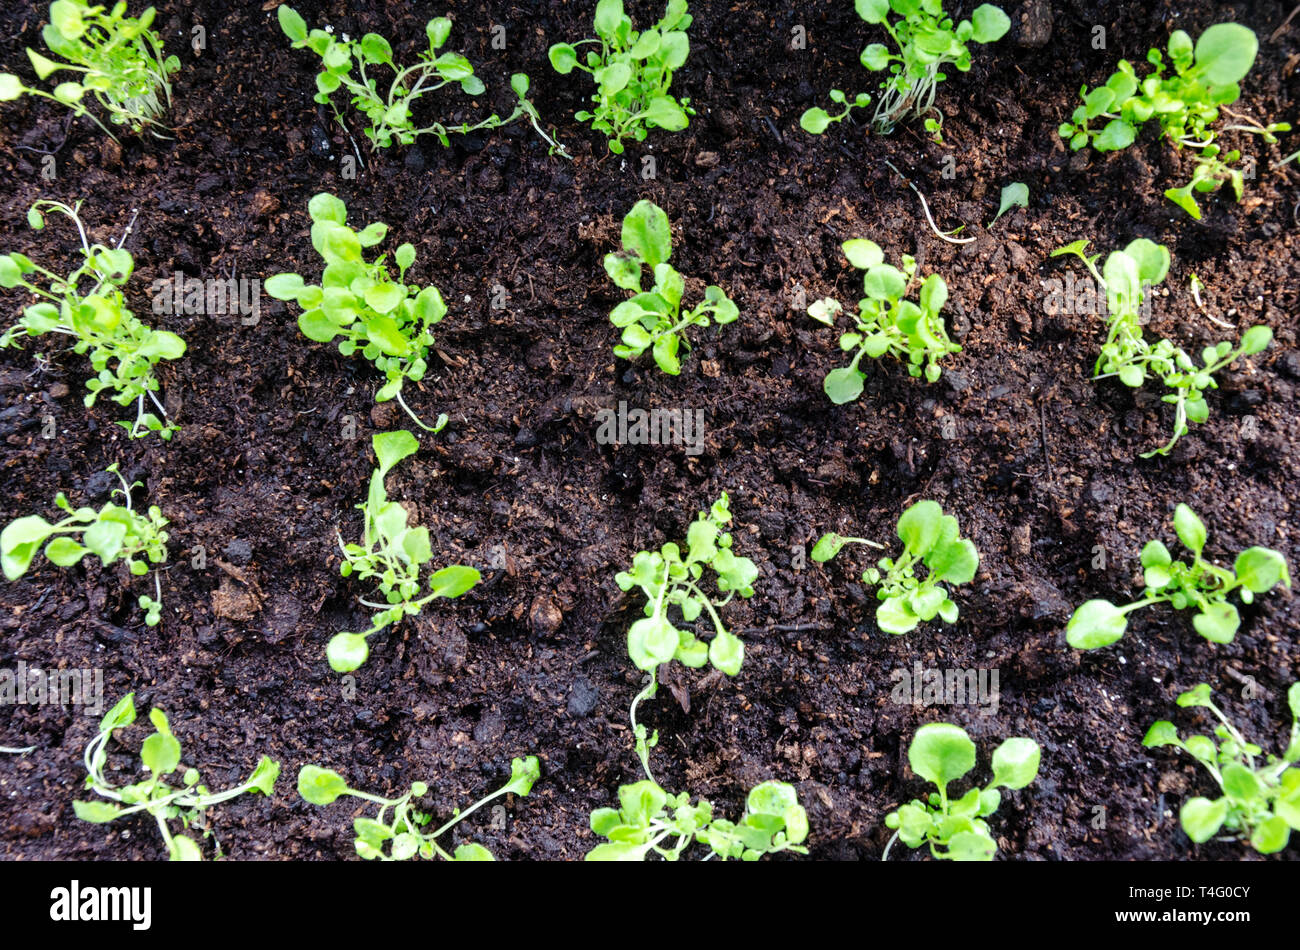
{"points": [[160, 754], [1014, 195], [1186, 104], [633, 72], [942, 753], [392, 554], [357, 301], [886, 323], [653, 319], [113, 533], [119, 59], [1260, 801], [389, 112], [648, 820], [929, 537], [403, 832], [927, 41], [123, 351], [1127, 355], [1199, 586]]}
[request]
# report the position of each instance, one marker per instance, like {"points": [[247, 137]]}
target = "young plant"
{"points": [[1126, 354], [648, 819], [929, 537], [389, 112], [941, 753], [1260, 802], [1185, 105], [1199, 586], [113, 533], [633, 72], [119, 59], [160, 754], [393, 554], [653, 320], [357, 301], [927, 40], [123, 351], [886, 324], [403, 833]]}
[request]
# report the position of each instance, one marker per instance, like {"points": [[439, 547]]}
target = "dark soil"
{"points": [[1037, 461]]}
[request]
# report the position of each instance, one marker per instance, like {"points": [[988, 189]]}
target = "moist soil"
{"points": [[1038, 462]]}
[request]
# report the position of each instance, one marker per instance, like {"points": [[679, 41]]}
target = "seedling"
{"points": [[652, 320], [1186, 104], [942, 753], [1260, 802], [120, 60], [633, 73], [927, 41], [886, 324], [160, 754], [1126, 354], [390, 113], [123, 351], [1199, 586], [1014, 195], [387, 321], [930, 537], [113, 533], [648, 819], [393, 554], [402, 833]]}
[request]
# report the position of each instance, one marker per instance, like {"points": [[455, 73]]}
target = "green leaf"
{"points": [[647, 233], [651, 641], [1014, 195], [320, 786], [919, 526], [523, 773], [1225, 52], [727, 652], [122, 714], [384, 298], [105, 539], [563, 58], [326, 207], [392, 447], [473, 851], [609, 13], [955, 563], [941, 752], [815, 121], [665, 113], [1240, 783], [96, 812], [884, 282], [293, 25], [844, 384], [19, 542], [827, 546], [863, 254], [64, 551], [990, 23], [1161, 733], [1189, 528], [1096, 624], [437, 30], [1256, 340], [1201, 818], [1118, 134], [11, 88], [971, 846], [1217, 622], [1152, 260], [346, 652], [873, 11], [1270, 835], [454, 580], [160, 753], [894, 616], [265, 775], [1015, 762]]}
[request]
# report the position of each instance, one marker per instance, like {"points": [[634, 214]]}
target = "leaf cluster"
{"points": [[1198, 585], [887, 324], [653, 319], [1260, 801], [942, 753]]}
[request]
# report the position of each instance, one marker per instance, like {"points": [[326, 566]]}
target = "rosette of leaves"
{"points": [[1261, 799], [160, 754], [633, 72], [669, 579], [649, 820], [927, 41], [1198, 585], [653, 319], [1128, 356], [116, 59], [392, 554], [887, 324], [1205, 80], [389, 112], [359, 303], [401, 835], [123, 352], [941, 753], [930, 538], [113, 533]]}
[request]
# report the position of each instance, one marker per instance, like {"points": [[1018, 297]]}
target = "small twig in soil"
{"points": [[1042, 421], [1285, 23]]}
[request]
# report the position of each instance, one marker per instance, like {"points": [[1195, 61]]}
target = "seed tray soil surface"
{"points": [[1038, 462]]}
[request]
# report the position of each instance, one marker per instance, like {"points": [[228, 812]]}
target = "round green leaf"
{"points": [[320, 786], [941, 752], [1015, 762], [1096, 624]]}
